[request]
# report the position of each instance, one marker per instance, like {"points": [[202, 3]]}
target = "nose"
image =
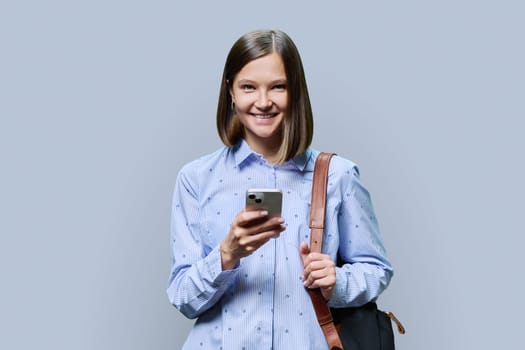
{"points": [[263, 101]]}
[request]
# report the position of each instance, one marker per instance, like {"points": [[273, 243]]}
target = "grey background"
{"points": [[102, 102]]}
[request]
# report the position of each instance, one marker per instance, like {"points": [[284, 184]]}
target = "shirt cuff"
{"points": [[213, 265], [339, 296]]}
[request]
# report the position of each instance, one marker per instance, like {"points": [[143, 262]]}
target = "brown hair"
{"points": [[298, 122]]}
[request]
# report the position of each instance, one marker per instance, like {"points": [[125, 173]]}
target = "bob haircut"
{"points": [[297, 125]]}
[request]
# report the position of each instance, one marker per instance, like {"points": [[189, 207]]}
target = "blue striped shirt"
{"points": [[262, 304]]}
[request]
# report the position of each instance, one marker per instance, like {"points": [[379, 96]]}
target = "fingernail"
{"points": [[264, 212]]}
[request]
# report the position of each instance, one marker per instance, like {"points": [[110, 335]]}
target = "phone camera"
{"points": [[258, 200], [251, 196]]}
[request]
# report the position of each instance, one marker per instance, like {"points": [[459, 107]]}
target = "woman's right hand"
{"points": [[248, 232]]}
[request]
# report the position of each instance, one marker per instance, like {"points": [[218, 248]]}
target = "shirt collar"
{"points": [[301, 161], [243, 153]]}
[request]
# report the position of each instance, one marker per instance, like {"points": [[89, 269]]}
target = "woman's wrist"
{"points": [[228, 261]]}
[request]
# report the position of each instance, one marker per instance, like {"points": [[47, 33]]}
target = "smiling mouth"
{"points": [[265, 116]]}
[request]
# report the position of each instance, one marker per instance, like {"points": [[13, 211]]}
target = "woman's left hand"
{"points": [[319, 271]]}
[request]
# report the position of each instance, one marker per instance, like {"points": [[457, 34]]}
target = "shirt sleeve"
{"points": [[196, 280], [365, 271]]}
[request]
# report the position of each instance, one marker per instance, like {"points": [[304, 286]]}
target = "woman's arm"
{"points": [[197, 280], [366, 271]]}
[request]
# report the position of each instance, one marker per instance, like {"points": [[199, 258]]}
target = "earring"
{"points": [[233, 106]]}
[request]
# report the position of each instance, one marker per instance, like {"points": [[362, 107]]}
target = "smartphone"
{"points": [[269, 199]]}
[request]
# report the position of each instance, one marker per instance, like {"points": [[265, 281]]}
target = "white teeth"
{"points": [[263, 116]]}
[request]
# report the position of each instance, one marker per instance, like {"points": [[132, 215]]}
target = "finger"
{"points": [[267, 224], [246, 217], [252, 242], [316, 261], [277, 231], [318, 270], [321, 273], [318, 256], [310, 258], [327, 282], [304, 250], [266, 233], [320, 264], [320, 281], [272, 224]]}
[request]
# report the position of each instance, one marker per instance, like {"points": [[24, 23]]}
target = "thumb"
{"points": [[305, 250]]}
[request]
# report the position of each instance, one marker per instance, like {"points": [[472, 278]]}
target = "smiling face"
{"points": [[260, 94]]}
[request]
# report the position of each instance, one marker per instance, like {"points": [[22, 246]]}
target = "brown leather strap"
{"points": [[398, 323], [324, 317], [317, 208], [317, 216]]}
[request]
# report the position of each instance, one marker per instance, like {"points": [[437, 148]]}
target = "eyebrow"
{"points": [[276, 81]]}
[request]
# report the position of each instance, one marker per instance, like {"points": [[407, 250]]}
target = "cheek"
{"points": [[243, 103], [281, 100], [284, 102]]}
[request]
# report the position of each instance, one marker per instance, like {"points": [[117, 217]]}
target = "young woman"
{"points": [[244, 274]]}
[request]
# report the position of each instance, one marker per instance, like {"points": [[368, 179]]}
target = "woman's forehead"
{"points": [[270, 66]]}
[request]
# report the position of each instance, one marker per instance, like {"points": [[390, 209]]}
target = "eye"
{"points": [[279, 87], [247, 87]]}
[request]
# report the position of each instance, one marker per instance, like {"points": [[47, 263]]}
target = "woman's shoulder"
{"points": [[344, 175], [205, 162], [339, 164]]}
